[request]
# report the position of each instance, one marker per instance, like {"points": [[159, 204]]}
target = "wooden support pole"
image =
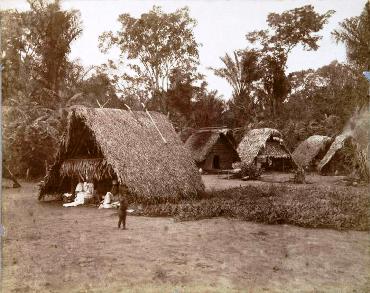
{"points": [[150, 116]]}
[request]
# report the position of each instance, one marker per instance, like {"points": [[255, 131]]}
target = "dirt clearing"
{"points": [[221, 181], [48, 248]]}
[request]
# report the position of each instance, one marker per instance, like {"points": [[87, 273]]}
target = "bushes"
{"points": [[250, 170], [338, 208]]}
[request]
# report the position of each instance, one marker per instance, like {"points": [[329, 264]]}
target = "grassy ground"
{"points": [[48, 248]]}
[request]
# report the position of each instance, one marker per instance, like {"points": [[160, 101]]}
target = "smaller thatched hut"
{"points": [[264, 147], [310, 152], [212, 149], [106, 144], [339, 159]]}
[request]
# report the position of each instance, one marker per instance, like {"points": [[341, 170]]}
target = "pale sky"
{"points": [[221, 28]]}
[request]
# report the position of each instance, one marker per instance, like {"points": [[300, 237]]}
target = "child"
{"points": [[122, 212]]}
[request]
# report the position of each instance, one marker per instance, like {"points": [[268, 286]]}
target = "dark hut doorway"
{"points": [[216, 162]]}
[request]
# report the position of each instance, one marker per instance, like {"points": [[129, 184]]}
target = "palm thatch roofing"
{"points": [[96, 168], [309, 149], [254, 143], [201, 142], [128, 144], [336, 146]]}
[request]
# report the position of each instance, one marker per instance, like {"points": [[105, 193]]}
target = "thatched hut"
{"points": [[105, 144], [340, 157], [310, 152], [212, 149], [264, 147]]}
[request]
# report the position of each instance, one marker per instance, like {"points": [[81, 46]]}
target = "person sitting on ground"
{"points": [[111, 197], [84, 192]]}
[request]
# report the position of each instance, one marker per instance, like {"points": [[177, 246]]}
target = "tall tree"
{"points": [[294, 27], [155, 44], [15, 55], [51, 32], [234, 72], [36, 44], [355, 33]]}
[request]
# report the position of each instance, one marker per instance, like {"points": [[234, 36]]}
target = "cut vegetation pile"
{"points": [[325, 207]]}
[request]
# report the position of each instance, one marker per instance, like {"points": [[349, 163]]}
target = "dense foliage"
{"points": [[40, 83]]}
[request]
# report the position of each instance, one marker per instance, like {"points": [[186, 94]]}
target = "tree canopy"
{"points": [[154, 44], [355, 33], [258, 79]]}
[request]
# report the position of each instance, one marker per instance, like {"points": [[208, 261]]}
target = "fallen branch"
{"points": [[12, 177]]}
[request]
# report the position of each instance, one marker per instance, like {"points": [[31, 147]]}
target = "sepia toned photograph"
{"points": [[202, 146]]}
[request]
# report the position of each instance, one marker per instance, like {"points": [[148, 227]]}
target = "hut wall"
{"points": [[224, 153], [278, 164], [279, 158]]}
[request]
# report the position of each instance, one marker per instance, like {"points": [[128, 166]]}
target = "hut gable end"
{"points": [[205, 145], [81, 142]]}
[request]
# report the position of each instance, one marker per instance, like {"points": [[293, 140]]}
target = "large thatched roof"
{"points": [[308, 149], [130, 144], [201, 142], [255, 141], [337, 145]]}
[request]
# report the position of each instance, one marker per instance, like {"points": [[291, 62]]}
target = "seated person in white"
{"points": [[83, 191], [113, 195]]}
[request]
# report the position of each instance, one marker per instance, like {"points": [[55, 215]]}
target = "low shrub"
{"points": [[325, 207], [250, 170]]}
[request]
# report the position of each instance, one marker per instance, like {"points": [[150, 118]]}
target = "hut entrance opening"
{"points": [[84, 160], [216, 162]]}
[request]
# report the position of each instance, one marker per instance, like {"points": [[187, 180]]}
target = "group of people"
{"points": [[116, 198], [84, 191]]}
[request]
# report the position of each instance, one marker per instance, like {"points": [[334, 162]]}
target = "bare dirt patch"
{"points": [[221, 182], [48, 248]]}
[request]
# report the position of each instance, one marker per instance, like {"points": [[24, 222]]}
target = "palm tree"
{"points": [[233, 72]]}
